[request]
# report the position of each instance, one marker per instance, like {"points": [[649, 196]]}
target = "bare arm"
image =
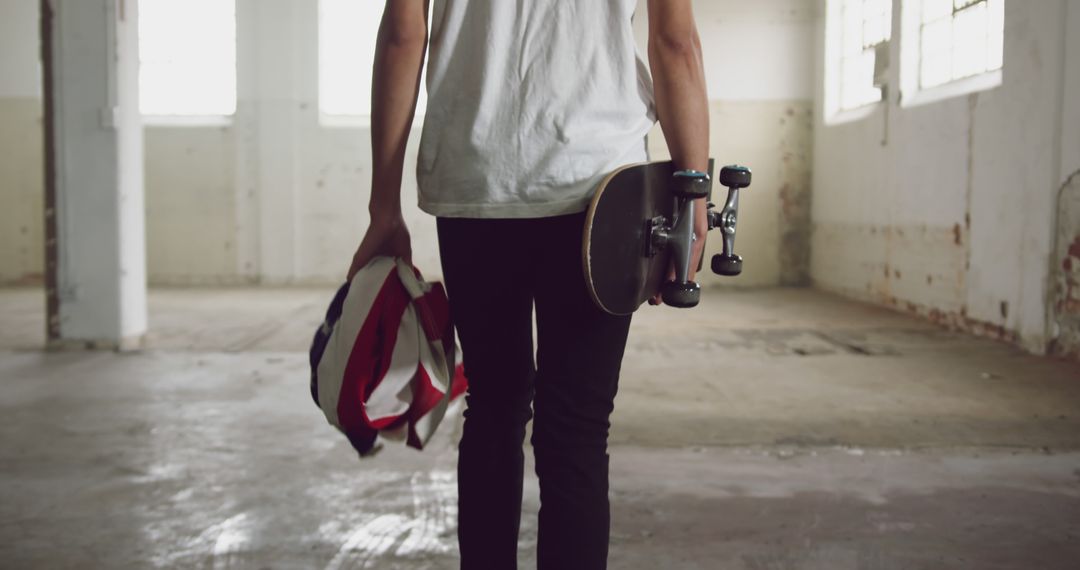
{"points": [[399, 61], [679, 82], [681, 101]]}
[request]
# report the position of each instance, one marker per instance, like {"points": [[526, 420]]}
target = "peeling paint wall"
{"points": [[1065, 295], [793, 221], [1064, 310], [946, 209]]}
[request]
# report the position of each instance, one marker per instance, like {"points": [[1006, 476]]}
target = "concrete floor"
{"points": [[765, 430]]}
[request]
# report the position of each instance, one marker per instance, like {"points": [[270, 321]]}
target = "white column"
{"points": [[275, 113], [101, 254]]}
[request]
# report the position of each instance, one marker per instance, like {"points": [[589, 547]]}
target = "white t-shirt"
{"points": [[530, 104]]}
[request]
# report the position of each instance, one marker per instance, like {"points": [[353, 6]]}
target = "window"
{"points": [[959, 39], [863, 25], [187, 56], [347, 30]]}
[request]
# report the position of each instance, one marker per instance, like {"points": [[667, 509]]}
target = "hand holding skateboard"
{"points": [[697, 247], [641, 222]]}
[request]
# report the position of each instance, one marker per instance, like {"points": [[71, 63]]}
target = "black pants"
{"points": [[495, 270]]}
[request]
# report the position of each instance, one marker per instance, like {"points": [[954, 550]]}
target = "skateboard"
{"points": [[640, 222]]}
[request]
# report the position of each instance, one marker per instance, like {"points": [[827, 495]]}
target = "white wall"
{"points": [[21, 168], [757, 51], [947, 209], [19, 53], [275, 197]]}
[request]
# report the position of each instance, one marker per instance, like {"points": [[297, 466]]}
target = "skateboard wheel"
{"points": [[681, 295], [727, 266], [691, 184], [735, 176]]}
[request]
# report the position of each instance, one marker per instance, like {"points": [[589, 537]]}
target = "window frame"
{"points": [[836, 36], [913, 93]]}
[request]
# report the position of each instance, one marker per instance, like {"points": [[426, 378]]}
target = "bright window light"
{"points": [[862, 25], [187, 55], [347, 31], [959, 38]]}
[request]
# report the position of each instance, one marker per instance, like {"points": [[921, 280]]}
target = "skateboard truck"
{"points": [[734, 178], [688, 186]]}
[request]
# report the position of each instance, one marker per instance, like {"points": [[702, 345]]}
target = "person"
{"points": [[530, 105]]}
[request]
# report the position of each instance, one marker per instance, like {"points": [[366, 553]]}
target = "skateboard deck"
{"points": [[620, 276]]}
